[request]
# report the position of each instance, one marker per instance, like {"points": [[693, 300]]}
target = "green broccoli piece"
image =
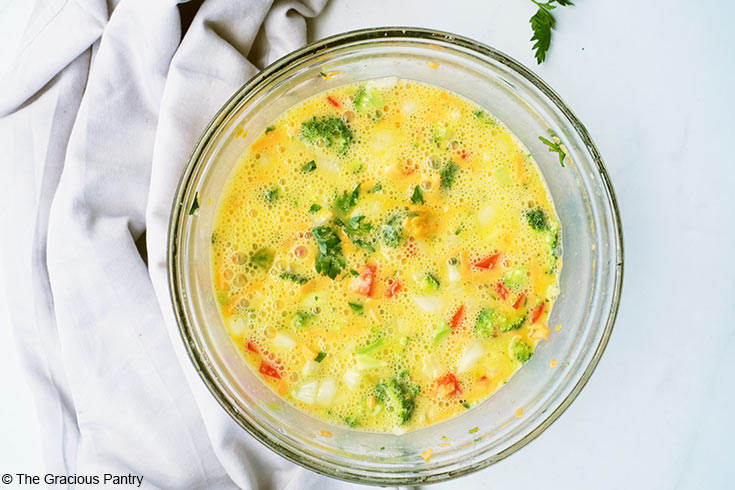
{"points": [[516, 278], [488, 320], [330, 130], [430, 283], [399, 395], [368, 100], [521, 350], [537, 219], [392, 231]]}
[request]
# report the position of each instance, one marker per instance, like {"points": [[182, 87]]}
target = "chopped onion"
{"points": [[327, 390], [351, 378], [284, 341], [366, 361], [385, 82], [429, 304], [430, 367], [310, 367], [238, 326], [472, 353], [306, 392], [453, 273]]}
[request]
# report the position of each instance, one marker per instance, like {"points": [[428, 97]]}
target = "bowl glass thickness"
{"points": [[590, 279]]}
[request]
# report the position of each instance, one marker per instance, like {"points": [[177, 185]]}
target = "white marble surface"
{"points": [[653, 82]]}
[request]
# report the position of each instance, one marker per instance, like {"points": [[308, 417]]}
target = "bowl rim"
{"points": [[392, 33]]}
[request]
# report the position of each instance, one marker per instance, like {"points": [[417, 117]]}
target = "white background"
{"points": [[653, 82]]}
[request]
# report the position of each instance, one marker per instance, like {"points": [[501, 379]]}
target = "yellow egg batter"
{"points": [[385, 255]]}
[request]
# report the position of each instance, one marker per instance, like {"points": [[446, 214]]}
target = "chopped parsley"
{"points": [[320, 357], [448, 174], [329, 260], [289, 276], [269, 129], [314, 208], [309, 166], [356, 307], [263, 258], [417, 197], [347, 201], [271, 195], [356, 229]]}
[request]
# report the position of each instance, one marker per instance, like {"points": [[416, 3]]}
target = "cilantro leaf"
{"points": [[309, 166]]}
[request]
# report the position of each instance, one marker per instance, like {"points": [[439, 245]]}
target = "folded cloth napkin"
{"points": [[99, 114]]}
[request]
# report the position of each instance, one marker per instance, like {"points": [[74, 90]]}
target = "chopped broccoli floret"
{"points": [[368, 100], [392, 231], [516, 278], [521, 350], [430, 283], [488, 320], [399, 395], [331, 130], [537, 219], [300, 319]]}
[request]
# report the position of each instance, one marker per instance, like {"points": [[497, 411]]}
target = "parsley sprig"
{"points": [[542, 23], [554, 147]]}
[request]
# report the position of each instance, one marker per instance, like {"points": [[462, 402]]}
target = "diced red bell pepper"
{"points": [[252, 348], [363, 284], [448, 385], [332, 101], [269, 370], [488, 262], [457, 317], [501, 290], [393, 288], [536, 312], [519, 301]]}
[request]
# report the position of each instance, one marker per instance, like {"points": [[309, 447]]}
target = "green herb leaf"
{"points": [[194, 204], [417, 197], [269, 129], [542, 22], [375, 188], [271, 195], [300, 319], [314, 208], [329, 260], [288, 276], [448, 175], [356, 229], [347, 201], [356, 307], [263, 258], [309, 166], [320, 357], [554, 148]]}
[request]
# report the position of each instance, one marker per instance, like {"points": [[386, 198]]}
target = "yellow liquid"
{"points": [[445, 290]]}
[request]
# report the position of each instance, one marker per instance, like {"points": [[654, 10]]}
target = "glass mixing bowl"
{"points": [[590, 279]]}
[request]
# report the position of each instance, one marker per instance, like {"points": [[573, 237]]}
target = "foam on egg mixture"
{"points": [[386, 255]]}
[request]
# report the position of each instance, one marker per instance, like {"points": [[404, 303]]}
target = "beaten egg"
{"points": [[386, 255]]}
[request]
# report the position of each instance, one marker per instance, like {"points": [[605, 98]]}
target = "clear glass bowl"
{"points": [[590, 280]]}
